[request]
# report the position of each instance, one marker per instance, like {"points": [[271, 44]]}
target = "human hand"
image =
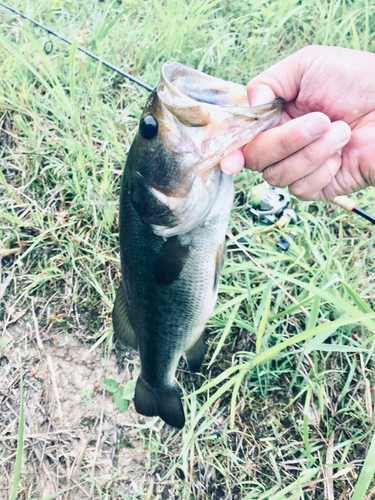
{"points": [[324, 145]]}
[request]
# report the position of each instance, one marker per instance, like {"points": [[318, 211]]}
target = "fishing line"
{"points": [[48, 46]]}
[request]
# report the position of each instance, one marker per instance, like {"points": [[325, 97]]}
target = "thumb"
{"points": [[283, 79]]}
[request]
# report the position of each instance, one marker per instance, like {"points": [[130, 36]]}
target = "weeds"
{"points": [[284, 406]]}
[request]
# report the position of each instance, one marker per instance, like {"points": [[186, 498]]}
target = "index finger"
{"points": [[278, 143]]}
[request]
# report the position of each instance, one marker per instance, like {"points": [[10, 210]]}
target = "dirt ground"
{"points": [[73, 429]]}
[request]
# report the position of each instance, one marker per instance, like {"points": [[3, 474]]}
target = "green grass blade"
{"points": [[315, 343], [314, 313], [306, 439], [329, 297], [305, 477], [356, 44], [367, 473], [58, 493], [367, 27], [14, 220], [72, 59], [348, 380], [94, 282], [307, 334], [54, 79], [226, 331], [229, 372], [263, 322], [238, 379], [359, 302], [18, 464]]}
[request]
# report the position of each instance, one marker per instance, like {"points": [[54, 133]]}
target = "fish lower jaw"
{"points": [[170, 201]]}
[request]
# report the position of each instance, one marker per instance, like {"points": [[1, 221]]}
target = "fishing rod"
{"points": [[350, 206], [82, 49], [342, 201]]}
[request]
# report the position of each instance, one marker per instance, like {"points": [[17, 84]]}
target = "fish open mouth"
{"points": [[214, 114], [184, 82]]}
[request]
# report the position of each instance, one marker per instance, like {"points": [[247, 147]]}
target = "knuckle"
{"points": [[298, 189], [307, 55], [252, 163], [272, 175], [287, 144], [311, 155], [332, 164], [306, 51]]}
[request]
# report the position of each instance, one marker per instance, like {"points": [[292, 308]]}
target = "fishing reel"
{"points": [[272, 206]]}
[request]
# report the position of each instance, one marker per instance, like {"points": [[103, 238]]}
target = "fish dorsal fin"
{"points": [[120, 319], [195, 354], [170, 261], [219, 264]]}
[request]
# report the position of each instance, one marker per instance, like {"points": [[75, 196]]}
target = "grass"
{"points": [[284, 406], [18, 462]]}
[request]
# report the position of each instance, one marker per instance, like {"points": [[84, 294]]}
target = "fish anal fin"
{"points": [[219, 263], [170, 261], [120, 319], [195, 354], [165, 403]]}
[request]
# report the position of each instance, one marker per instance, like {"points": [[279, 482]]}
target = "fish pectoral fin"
{"points": [[165, 403], [120, 319], [170, 261], [219, 264], [195, 354]]}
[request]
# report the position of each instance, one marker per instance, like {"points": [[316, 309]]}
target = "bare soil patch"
{"points": [[72, 426]]}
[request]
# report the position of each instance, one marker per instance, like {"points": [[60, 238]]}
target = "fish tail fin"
{"points": [[165, 403]]}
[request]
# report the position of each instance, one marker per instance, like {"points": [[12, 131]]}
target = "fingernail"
{"points": [[339, 152], [316, 126], [340, 133]]}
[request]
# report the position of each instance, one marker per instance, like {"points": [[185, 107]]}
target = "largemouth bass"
{"points": [[175, 205]]}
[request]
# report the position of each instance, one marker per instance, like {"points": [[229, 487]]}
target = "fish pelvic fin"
{"points": [[120, 318], [195, 354], [165, 403], [170, 261]]}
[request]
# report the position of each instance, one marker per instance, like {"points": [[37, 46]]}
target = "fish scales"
{"points": [[172, 317], [175, 206]]}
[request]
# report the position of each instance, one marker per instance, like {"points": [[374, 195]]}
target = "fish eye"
{"points": [[148, 127]]}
